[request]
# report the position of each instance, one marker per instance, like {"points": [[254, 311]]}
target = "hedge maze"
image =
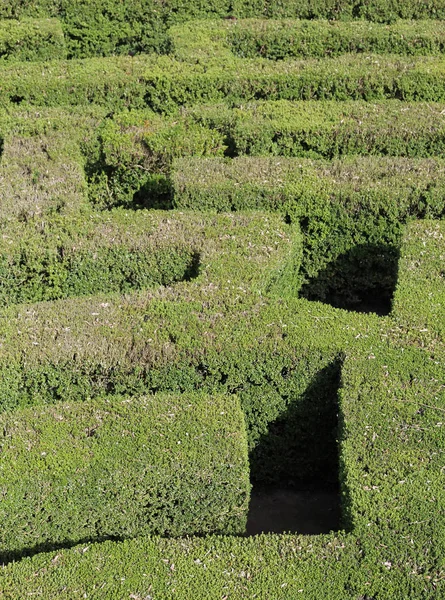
{"points": [[221, 270]]}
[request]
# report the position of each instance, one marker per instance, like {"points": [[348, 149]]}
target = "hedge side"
{"points": [[105, 27], [276, 567], [378, 10], [351, 212], [31, 40], [208, 40], [419, 300], [328, 129], [392, 403], [119, 251], [41, 175], [163, 83], [171, 465], [281, 358], [131, 164]]}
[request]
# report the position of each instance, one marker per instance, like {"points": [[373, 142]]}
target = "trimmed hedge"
{"points": [[131, 163], [376, 10], [208, 40], [419, 300], [280, 358], [105, 27], [172, 465], [41, 175], [31, 39], [328, 129], [163, 83], [391, 442], [392, 403], [351, 212], [119, 251]]}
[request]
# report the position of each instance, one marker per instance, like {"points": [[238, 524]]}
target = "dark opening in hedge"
{"points": [[362, 279], [294, 467]]}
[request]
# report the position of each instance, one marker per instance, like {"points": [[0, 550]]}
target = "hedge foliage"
{"points": [[31, 40], [392, 403], [218, 40], [376, 10], [419, 300], [391, 441], [131, 163], [98, 28], [120, 468], [41, 175], [119, 251], [351, 212], [163, 83]]}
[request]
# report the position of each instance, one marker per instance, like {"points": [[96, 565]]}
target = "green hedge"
{"points": [[419, 300], [105, 27], [281, 358], [131, 164], [119, 251], [97, 28], [172, 465], [163, 83], [41, 175], [392, 440], [376, 10], [31, 39], [351, 212], [327, 129], [207, 40]]}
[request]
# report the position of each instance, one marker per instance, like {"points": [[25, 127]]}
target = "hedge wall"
{"points": [[281, 358], [41, 175], [118, 251], [172, 465], [131, 163], [392, 404], [163, 83], [31, 39], [419, 300], [94, 27], [391, 441], [351, 212], [209, 40]]}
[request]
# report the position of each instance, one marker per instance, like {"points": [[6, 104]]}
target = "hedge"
{"points": [[377, 10], [351, 212], [131, 164], [112, 27], [163, 83], [282, 359], [208, 40], [419, 299], [119, 251], [172, 465], [392, 404], [326, 129], [41, 175], [391, 441], [98, 28], [31, 39]]}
